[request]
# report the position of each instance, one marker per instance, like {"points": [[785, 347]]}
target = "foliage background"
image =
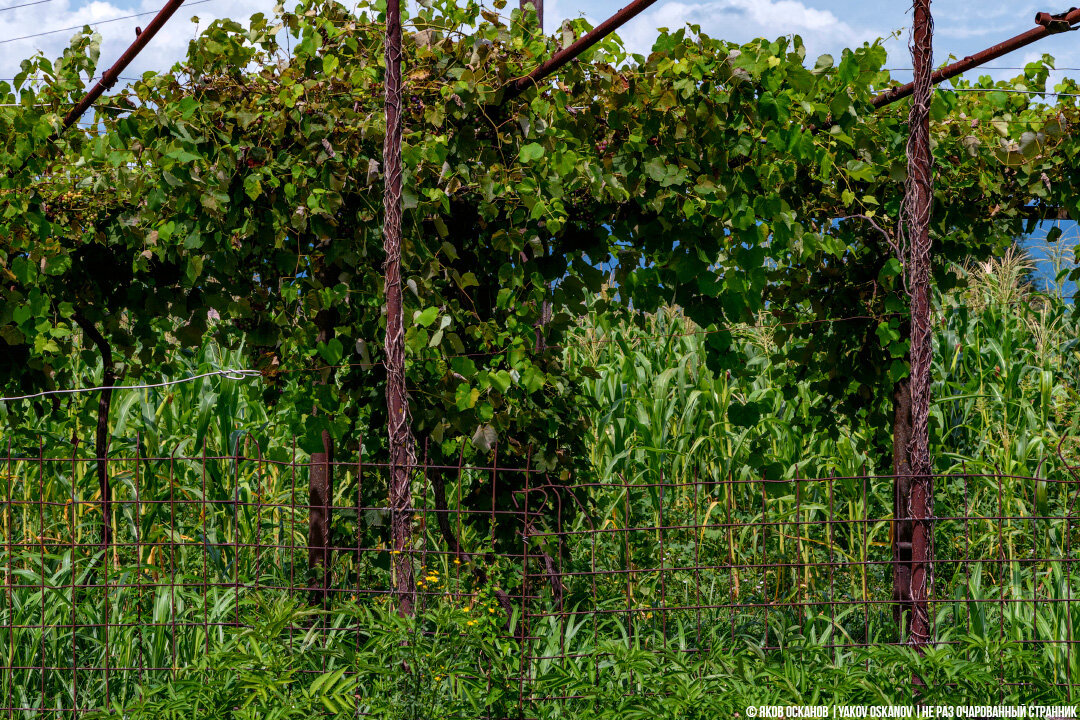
{"points": [[748, 322]]}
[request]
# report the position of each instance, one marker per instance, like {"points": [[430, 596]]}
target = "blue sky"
{"points": [[827, 26], [1048, 260]]}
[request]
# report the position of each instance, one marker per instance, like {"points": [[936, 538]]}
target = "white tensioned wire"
{"points": [[94, 23], [230, 373]]}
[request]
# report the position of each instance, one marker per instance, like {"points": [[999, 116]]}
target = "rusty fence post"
{"points": [[915, 235], [539, 6], [320, 500], [397, 402]]}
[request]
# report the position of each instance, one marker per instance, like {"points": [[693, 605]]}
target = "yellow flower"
{"points": [[456, 561]]}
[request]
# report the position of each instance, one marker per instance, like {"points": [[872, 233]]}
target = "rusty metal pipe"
{"points": [[1048, 25], [113, 74], [582, 44]]}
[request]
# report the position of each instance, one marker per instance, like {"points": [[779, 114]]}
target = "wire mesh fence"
{"points": [[701, 564], [199, 545]]}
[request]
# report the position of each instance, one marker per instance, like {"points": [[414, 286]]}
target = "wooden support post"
{"points": [[320, 501]]}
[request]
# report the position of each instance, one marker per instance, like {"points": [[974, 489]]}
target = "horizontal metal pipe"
{"points": [[113, 74], [1047, 25], [582, 44]]}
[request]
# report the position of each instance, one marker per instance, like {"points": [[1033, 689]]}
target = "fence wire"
{"points": [[561, 567]]}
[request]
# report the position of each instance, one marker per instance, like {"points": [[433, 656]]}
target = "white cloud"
{"points": [[959, 13], [1000, 30], [743, 20]]}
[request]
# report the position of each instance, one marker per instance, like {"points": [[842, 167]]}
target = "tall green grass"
{"points": [[1005, 402], [714, 543]]}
